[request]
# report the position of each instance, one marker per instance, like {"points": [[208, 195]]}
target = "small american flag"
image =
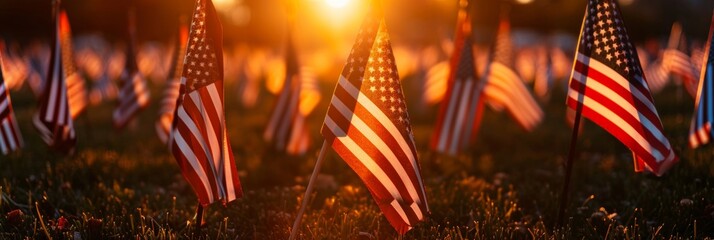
{"points": [[286, 129], [700, 131], [199, 140], [504, 88], [678, 63], [608, 87], [133, 92], [10, 136], [460, 113], [367, 124], [76, 92], [171, 93], [53, 120]]}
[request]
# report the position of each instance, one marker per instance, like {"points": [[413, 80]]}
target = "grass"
{"points": [[125, 184]]}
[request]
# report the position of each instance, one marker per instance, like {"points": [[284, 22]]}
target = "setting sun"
{"points": [[337, 3]]}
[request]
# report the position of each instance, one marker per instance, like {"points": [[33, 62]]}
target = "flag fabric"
{"points": [[76, 92], [10, 136], [700, 131], [171, 92], [367, 125], [607, 86], [38, 55], [199, 140], [504, 88], [54, 120], [678, 63], [435, 84], [460, 113], [133, 92], [543, 73], [15, 68], [286, 129]]}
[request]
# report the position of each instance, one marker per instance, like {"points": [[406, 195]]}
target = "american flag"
{"points": [[543, 81], [460, 114], [700, 130], [608, 87], [133, 92], [53, 120], [10, 136], [367, 124], [171, 93], [286, 129], [504, 88], [199, 140], [76, 92], [677, 62]]}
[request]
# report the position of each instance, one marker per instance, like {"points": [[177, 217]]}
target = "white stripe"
{"points": [[269, 133], [384, 120], [446, 127], [286, 121], [4, 104], [190, 158], [466, 93], [619, 122], [3, 145], [213, 151], [366, 160], [623, 104], [383, 148], [397, 207], [514, 83], [473, 109], [227, 168], [381, 117], [618, 79], [62, 119], [8, 131], [193, 129]]}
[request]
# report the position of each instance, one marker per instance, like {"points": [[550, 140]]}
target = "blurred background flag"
{"points": [[460, 114], [133, 92], [171, 90], [53, 120], [287, 130], [700, 129], [608, 87], [76, 92], [678, 62], [10, 136], [199, 141], [503, 87], [367, 124]]}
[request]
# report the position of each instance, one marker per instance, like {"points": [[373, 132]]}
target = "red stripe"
{"points": [[374, 153], [191, 176], [617, 132], [194, 145], [642, 107], [369, 119]]}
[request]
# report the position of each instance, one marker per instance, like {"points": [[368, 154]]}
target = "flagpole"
{"points": [[574, 137], [308, 191], [199, 218], [569, 165]]}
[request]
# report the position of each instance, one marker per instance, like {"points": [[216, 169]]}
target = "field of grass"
{"points": [[126, 184]]}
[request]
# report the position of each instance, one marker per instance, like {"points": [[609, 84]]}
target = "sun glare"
{"points": [[337, 3]]}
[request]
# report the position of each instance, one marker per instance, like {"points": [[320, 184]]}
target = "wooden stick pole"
{"points": [[574, 136], [308, 191], [199, 218], [569, 167]]}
